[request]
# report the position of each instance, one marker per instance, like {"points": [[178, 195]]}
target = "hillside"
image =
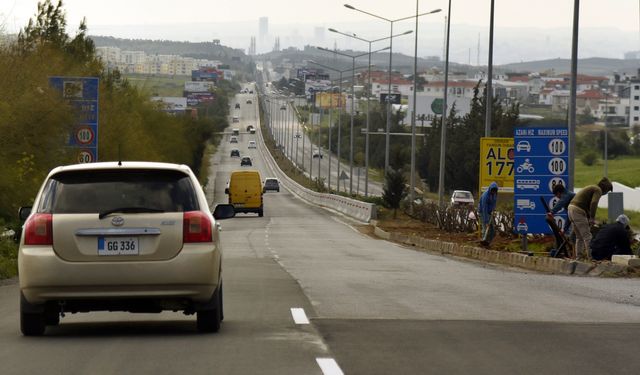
{"points": [[592, 66], [201, 50]]}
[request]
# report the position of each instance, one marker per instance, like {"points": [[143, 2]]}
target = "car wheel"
{"points": [[261, 212], [31, 318], [277, 191]]}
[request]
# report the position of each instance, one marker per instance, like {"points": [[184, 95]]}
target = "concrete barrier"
{"points": [[541, 264], [350, 207]]}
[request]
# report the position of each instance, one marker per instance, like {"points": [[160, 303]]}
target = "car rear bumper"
{"points": [[193, 274]]}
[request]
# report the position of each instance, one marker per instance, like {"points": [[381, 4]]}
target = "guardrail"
{"points": [[353, 208]]}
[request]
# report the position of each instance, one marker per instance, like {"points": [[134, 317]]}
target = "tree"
{"points": [[463, 143], [395, 189]]}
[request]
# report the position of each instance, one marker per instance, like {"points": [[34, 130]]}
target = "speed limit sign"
{"points": [[85, 156], [84, 135]]}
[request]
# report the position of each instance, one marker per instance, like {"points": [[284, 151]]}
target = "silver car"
{"points": [[126, 236]]}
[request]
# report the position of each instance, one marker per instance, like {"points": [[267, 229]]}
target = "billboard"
{"points": [[496, 163], [82, 94], [205, 74], [327, 100], [394, 98], [198, 86], [196, 98], [541, 162]]}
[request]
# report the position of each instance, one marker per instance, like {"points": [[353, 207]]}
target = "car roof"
{"points": [[121, 165]]}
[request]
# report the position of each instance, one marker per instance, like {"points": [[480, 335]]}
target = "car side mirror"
{"points": [[224, 211], [24, 213]]}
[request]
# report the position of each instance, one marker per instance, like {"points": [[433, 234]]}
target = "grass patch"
{"points": [[156, 85], [634, 217], [8, 258], [623, 169]]}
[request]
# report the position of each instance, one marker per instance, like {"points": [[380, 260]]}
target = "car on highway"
{"points": [[271, 183], [235, 119], [237, 105], [235, 131], [249, 101], [317, 154], [283, 108], [235, 153], [245, 192], [120, 236], [462, 198], [297, 135], [246, 161], [249, 127], [252, 144], [233, 139]]}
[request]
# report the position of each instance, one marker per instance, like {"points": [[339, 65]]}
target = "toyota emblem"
{"points": [[117, 221]]}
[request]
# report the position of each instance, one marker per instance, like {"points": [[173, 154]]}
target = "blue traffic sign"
{"points": [[82, 94], [541, 163]]}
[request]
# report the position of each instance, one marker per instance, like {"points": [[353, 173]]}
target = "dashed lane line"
{"points": [[329, 366], [299, 315]]}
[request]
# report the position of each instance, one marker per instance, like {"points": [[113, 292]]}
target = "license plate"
{"points": [[118, 246]]}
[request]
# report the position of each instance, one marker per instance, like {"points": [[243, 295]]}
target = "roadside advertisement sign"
{"points": [[82, 94], [198, 86], [541, 162], [196, 98], [394, 98], [496, 163], [327, 100]]}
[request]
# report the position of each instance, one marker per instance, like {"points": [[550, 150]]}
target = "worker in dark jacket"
{"points": [[612, 239], [486, 206]]}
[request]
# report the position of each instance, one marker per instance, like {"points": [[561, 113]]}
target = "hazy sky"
{"points": [[622, 14], [525, 29]]}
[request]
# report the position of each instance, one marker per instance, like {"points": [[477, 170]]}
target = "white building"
{"points": [[634, 102]]}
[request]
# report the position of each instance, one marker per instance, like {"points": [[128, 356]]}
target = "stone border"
{"points": [[540, 264]]}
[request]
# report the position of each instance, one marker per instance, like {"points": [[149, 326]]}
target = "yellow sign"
{"points": [[329, 100], [496, 163]]}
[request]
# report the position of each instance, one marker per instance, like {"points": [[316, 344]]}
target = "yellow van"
{"points": [[245, 191]]}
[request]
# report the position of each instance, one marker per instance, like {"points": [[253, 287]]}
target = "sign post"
{"points": [[541, 163], [82, 94]]}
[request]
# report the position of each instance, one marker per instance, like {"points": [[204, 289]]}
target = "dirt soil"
{"points": [[406, 225]]}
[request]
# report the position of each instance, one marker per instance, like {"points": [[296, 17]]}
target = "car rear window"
{"points": [[103, 190], [464, 195]]}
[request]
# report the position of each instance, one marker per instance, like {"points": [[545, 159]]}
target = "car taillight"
{"points": [[196, 227], [39, 230]]}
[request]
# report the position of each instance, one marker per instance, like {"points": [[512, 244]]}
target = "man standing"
{"points": [[486, 206], [612, 239], [582, 213]]}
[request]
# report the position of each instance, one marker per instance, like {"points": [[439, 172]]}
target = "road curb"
{"points": [[534, 263]]}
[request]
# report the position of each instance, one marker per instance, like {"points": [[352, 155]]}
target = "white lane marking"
{"points": [[329, 366], [299, 315]]}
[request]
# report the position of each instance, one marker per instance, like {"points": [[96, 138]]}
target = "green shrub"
{"points": [[589, 158], [8, 258]]}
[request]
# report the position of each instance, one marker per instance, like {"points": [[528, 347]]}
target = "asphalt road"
{"points": [[374, 308], [300, 150]]}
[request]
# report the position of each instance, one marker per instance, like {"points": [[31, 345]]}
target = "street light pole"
{"points": [[387, 135], [443, 130], [573, 92], [606, 135], [366, 153], [353, 99], [489, 96]]}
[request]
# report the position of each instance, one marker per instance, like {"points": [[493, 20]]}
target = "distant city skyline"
{"points": [[523, 31]]}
